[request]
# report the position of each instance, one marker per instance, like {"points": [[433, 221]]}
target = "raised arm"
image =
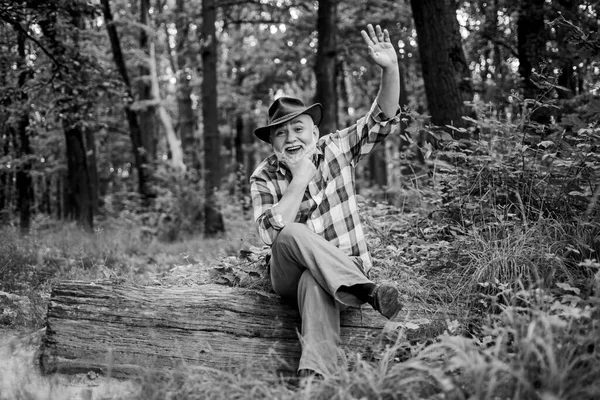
{"points": [[382, 52]]}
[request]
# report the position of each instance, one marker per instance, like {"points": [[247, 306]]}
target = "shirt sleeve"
{"points": [[264, 198], [359, 139]]}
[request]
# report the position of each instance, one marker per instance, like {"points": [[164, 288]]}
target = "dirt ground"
{"points": [[20, 376]]}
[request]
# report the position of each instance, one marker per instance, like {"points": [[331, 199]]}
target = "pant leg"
{"points": [[320, 326], [297, 248], [309, 270]]}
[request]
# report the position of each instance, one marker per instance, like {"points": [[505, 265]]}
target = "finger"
{"points": [[386, 35], [372, 34], [379, 33], [366, 38]]}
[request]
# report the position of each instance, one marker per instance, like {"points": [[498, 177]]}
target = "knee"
{"points": [[289, 233]]}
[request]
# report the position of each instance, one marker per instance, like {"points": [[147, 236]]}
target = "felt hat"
{"points": [[285, 109]]}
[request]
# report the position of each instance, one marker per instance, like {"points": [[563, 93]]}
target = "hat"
{"points": [[285, 109]]}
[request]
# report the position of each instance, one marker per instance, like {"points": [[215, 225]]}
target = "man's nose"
{"points": [[290, 135]]}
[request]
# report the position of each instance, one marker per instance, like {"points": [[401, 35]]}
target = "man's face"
{"points": [[294, 139]]}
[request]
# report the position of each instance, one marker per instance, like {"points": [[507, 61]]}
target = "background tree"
{"points": [[20, 135], [326, 65], [134, 127], [443, 61], [531, 39], [77, 101], [213, 223], [146, 112]]}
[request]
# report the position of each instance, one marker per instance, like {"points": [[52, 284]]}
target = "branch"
{"points": [[500, 43], [18, 27]]}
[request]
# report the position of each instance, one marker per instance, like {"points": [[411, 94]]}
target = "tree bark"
{"points": [[147, 116], [125, 330], [531, 42], [447, 81], [165, 118], [213, 220], [326, 65], [378, 166], [183, 66], [79, 188], [92, 165], [134, 127], [566, 79], [23, 148]]}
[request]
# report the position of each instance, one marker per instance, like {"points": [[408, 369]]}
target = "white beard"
{"points": [[306, 152]]}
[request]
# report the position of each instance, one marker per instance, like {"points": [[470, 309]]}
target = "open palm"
{"points": [[381, 50]]}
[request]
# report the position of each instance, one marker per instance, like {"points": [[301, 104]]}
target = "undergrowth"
{"points": [[504, 228]]}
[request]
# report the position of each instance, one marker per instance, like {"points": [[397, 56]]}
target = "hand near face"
{"points": [[381, 50], [303, 170]]}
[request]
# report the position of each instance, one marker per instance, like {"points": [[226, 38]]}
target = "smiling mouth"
{"points": [[293, 149]]}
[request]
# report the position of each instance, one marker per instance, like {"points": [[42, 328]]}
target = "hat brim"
{"points": [[315, 111]]}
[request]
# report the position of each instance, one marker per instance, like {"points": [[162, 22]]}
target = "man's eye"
{"points": [[280, 133]]}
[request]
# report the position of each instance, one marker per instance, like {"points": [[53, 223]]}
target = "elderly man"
{"points": [[305, 207]]}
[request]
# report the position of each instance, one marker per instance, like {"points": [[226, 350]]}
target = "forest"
{"points": [[126, 147]]}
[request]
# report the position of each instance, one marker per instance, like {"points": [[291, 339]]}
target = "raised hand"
{"points": [[381, 50]]}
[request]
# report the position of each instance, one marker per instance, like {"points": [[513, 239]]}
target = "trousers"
{"points": [[321, 279]]}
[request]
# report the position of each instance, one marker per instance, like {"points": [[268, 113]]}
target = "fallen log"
{"points": [[124, 330]]}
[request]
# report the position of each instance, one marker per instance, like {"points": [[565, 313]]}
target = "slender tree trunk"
{"points": [[241, 160], [403, 101], [165, 118], [531, 42], [566, 79], [442, 61], [187, 117], [23, 178], [134, 127], [79, 188], [90, 146], [4, 181], [213, 220], [147, 116], [378, 166], [326, 65]]}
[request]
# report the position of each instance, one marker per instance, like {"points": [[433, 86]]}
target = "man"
{"points": [[305, 207]]}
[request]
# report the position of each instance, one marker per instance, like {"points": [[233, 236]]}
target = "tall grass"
{"points": [[496, 256], [547, 350]]}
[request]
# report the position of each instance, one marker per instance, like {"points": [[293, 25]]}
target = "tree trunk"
{"points": [[80, 198], [147, 116], [23, 176], [566, 79], [531, 42], [378, 166], [442, 60], [22, 146], [326, 65], [90, 146], [213, 220], [127, 330], [172, 140], [183, 66], [134, 127]]}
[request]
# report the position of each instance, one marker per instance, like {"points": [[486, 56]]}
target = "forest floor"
{"points": [[403, 250], [420, 253]]}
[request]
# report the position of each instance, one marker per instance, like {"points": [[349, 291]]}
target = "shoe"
{"points": [[385, 299], [307, 373]]}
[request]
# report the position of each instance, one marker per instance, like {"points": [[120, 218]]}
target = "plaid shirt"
{"points": [[329, 206]]}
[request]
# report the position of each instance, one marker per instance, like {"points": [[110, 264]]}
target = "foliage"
{"points": [[503, 226]]}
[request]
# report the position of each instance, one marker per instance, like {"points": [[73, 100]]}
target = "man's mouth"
{"points": [[293, 150]]}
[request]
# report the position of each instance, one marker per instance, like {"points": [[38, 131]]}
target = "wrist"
{"points": [[390, 68]]}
